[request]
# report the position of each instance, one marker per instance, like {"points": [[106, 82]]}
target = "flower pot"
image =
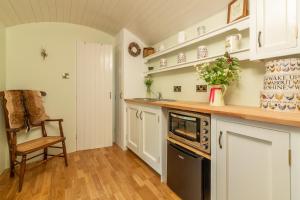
{"points": [[216, 97]]}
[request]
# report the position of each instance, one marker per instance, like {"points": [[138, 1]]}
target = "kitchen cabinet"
{"points": [[133, 128], [274, 28], [144, 134], [252, 162]]}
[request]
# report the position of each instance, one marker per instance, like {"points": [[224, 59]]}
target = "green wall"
{"points": [[3, 144]]}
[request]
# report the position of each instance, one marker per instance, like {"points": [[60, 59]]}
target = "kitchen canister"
{"points": [[163, 62], [201, 30], [202, 52], [233, 43], [181, 58]]}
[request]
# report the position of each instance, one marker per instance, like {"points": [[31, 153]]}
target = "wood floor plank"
{"points": [[99, 174]]}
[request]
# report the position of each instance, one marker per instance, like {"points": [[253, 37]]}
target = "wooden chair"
{"points": [[23, 149]]}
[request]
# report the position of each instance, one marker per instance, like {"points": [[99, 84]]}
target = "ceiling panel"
{"points": [[151, 20]]}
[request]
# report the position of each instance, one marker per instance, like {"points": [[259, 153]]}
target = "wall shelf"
{"points": [[239, 25], [242, 54]]}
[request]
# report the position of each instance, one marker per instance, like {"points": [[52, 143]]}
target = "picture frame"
{"points": [[147, 51], [237, 9]]}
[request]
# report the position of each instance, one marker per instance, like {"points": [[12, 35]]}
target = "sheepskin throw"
{"points": [[24, 108]]}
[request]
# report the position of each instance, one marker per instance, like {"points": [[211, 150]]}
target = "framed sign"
{"points": [[237, 9]]}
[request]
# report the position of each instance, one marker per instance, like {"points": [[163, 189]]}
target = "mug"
{"points": [[233, 42], [202, 52], [181, 58], [163, 62], [201, 30], [181, 37], [161, 47]]}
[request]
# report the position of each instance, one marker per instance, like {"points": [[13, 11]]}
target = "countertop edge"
{"points": [[242, 112]]}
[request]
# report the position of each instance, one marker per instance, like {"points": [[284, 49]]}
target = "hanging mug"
{"points": [[233, 43]]}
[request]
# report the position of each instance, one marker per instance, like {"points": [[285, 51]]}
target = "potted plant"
{"points": [[219, 75], [148, 82]]}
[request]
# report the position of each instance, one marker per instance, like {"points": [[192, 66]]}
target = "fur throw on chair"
{"points": [[25, 108]]}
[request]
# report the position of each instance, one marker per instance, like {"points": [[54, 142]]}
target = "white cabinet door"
{"points": [[133, 128], [150, 137], [275, 27], [252, 163]]}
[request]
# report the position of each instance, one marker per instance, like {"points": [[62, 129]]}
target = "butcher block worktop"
{"points": [[243, 112]]}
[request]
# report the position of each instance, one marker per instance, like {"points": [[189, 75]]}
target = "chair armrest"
{"points": [[54, 120], [59, 125]]}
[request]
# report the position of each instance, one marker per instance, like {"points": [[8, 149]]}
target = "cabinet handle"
{"points": [[141, 114], [220, 138], [121, 95], [259, 39], [136, 114]]}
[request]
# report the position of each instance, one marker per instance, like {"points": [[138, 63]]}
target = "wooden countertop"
{"points": [[243, 112]]}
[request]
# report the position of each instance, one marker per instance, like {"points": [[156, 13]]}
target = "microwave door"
{"points": [[184, 126]]}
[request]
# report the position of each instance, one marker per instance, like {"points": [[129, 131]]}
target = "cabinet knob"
{"points": [[204, 139], [205, 146], [204, 123], [204, 131]]}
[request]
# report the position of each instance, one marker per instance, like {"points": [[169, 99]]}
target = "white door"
{"points": [[94, 92], [150, 137], [252, 163], [133, 128], [276, 27]]}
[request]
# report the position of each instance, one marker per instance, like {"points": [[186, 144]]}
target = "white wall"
{"points": [[245, 92], [133, 67], [3, 143], [25, 69]]}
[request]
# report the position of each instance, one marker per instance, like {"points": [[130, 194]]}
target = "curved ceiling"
{"points": [[151, 20]]}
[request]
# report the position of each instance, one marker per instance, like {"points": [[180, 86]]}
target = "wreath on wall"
{"points": [[134, 49]]}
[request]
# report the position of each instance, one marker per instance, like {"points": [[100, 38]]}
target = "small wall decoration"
{"points": [[44, 53], [237, 9], [148, 51], [134, 49]]}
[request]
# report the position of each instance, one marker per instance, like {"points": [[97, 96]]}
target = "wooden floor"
{"points": [[107, 173]]}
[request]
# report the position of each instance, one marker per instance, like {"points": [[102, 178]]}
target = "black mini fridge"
{"points": [[188, 174]]}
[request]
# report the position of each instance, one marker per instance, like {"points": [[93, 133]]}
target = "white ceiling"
{"points": [[151, 20]]}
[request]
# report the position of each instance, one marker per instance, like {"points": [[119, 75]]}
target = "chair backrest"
{"points": [[16, 110]]}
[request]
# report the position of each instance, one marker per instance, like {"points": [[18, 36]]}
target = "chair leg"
{"points": [[12, 166], [22, 172], [45, 153], [65, 153]]}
